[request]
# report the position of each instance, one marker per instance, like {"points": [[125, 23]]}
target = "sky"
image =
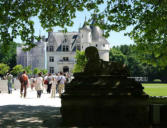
{"points": [[115, 38]]}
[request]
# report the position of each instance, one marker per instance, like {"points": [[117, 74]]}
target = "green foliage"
{"points": [[157, 80], [44, 71], [132, 58], [146, 17], [8, 54], [4, 68], [28, 70], [36, 71], [117, 55], [80, 61], [17, 70], [16, 17], [148, 22], [155, 89]]}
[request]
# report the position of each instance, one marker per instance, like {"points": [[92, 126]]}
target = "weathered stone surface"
{"points": [[103, 95], [123, 111]]}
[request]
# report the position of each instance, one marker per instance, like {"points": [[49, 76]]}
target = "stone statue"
{"points": [[104, 95], [99, 67]]}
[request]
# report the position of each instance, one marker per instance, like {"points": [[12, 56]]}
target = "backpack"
{"points": [[24, 79], [58, 82]]}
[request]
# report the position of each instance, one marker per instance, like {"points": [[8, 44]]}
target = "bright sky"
{"points": [[115, 38]]}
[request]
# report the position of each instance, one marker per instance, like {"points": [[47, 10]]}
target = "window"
{"points": [[65, 48], [51, 59], [51, 48], [103, 45], [96, 45], [51, 69], [65, 59]]}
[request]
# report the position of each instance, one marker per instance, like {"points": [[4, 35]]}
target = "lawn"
{"points": [[155, 89]]}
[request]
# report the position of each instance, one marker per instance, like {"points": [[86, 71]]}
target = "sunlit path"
{"points": [[29, 112], [31, 99]]}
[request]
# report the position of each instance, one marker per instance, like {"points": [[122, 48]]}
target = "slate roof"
{"points": [[61, 38]]}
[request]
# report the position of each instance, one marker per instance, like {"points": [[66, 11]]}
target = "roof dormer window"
{"points": [[65, 48], [50, 48]]}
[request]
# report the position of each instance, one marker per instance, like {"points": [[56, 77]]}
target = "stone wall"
{"points": [[4, 86]]}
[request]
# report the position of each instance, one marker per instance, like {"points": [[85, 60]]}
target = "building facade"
{"points": [[57, 52]]}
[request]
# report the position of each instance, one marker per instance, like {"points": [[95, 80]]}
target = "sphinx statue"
{"points": [[99, 67]]}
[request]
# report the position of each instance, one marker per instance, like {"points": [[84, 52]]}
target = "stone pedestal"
{"points": [[105, 101]]}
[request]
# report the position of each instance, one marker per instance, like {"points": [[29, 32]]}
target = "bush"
{"points": [[157, 80]]}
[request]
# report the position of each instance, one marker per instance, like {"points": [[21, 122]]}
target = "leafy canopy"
{"points": [[80, 61], [17, 70], [16, 17], [36, 71], [44, 71], [147, 18], [28, 70], [4, 68], [8, 54]]}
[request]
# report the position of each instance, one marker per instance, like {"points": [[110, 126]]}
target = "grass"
{"points": [[155, 89]]}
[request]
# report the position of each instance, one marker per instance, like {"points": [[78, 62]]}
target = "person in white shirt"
{"points": [[61, 83], [39, 85]]}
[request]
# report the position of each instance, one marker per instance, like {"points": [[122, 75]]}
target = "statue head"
{"points": [[91, 53]]}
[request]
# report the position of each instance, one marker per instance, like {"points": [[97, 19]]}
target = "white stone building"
{"points": [[57, 52]]}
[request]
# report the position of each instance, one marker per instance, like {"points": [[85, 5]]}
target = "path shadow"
{"points": [[21, 116]]}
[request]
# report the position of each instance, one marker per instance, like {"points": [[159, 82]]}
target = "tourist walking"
{"points": [[62, 80], [53, 90], [56, 77], [32, 81], [39, 85], [9, 78], [49, 79], [24, 83]]}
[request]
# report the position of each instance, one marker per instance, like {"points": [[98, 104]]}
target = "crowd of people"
{"points": [[51, 83]]}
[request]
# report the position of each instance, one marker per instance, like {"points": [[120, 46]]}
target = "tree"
{"points": [[28, 70], [36, 71], [147, 17], [17, 70], [4, 68], [44, 71], [80, 61], [8, 54], [127, 55], [117, 55], [16, 17]]}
